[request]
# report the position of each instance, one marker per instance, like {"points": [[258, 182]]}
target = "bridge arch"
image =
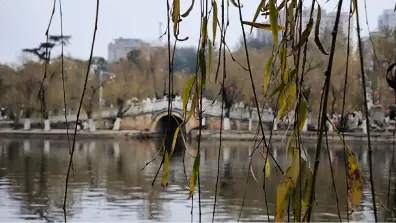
{"points": [[160, 120]]}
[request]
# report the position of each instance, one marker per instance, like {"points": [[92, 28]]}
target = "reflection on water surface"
{"points": [[108, 184]]}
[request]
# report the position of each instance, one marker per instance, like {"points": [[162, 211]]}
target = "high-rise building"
{"points": [[326, 22], [121, 47], [387, 19]]}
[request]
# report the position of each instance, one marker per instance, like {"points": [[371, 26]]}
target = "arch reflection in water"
{"points": [[108, 183]]}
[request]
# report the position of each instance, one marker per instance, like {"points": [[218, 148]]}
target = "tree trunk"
{"points": [[26, 124], [91, 125], [47, 125], [117, 123]]}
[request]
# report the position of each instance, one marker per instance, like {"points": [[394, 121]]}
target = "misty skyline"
{"points": [[23, 23]]}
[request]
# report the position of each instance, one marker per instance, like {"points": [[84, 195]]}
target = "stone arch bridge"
{"points": [[152, 115]]}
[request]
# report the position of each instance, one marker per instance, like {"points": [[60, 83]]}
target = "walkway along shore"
{"points": [[231, 135]]}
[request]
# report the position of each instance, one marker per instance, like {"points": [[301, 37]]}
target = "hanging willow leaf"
{"points": [[204, 31], [164, 182], [214, 21], [202, 65], [280, 7], [317, 29], [273, 11], [297, 192], [288, 99], [294, 170], [235, 4], [282, 59], [355, 183], [194, 175], [307, 195], [354, 6], [193, 106], [283, 192], [175, 138], [262, 26], [355, 179], [189, 9], [187, 91], [304, 37], [260, 6], [176, 16], [302, 113], [290, 17], [267, 73], [267, 168]]}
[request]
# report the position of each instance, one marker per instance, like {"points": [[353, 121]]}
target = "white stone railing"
{"points": [[152, 106]]}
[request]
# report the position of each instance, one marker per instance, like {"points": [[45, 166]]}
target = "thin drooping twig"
{"points": [[47, 57], [332, 178], [251, 76], [253, 87], [80, 106], [324, 109], [63, 80], [370, 151], [343, 105], [222, 106]]}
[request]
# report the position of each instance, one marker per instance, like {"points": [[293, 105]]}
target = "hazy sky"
{"points": [[23, 22]]}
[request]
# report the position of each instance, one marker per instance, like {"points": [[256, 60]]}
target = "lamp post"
{"points": [[101, 73]]}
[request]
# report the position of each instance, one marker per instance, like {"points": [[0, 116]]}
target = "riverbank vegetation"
{"points": [[144, 74]]}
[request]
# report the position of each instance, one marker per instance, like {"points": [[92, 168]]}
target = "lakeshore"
{"points": [[207, 135]]}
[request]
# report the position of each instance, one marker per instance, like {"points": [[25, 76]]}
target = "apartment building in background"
{"points": [[326, 22], [120, 48], [387, 19]]}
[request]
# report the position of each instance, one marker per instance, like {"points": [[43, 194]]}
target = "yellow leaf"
{"points": [[214, 21], [288, 99], [355, 180], [194, 175], [187, 91], [175, 16], [267, 73], [291, 145], [273, 11], [302, 113], [189, 9], [192, 108], [297, 192], [210, 60], [164, 182], [204, 31], [258, 10], [294, 170], [317, 29], [175, 138], [307, 195], [267, 168], [355, 183], [354, 3], [304, 37], [283, 192], [263, 26]]}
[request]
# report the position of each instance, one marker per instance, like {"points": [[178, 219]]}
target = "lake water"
{"points": [[108, 184]]}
